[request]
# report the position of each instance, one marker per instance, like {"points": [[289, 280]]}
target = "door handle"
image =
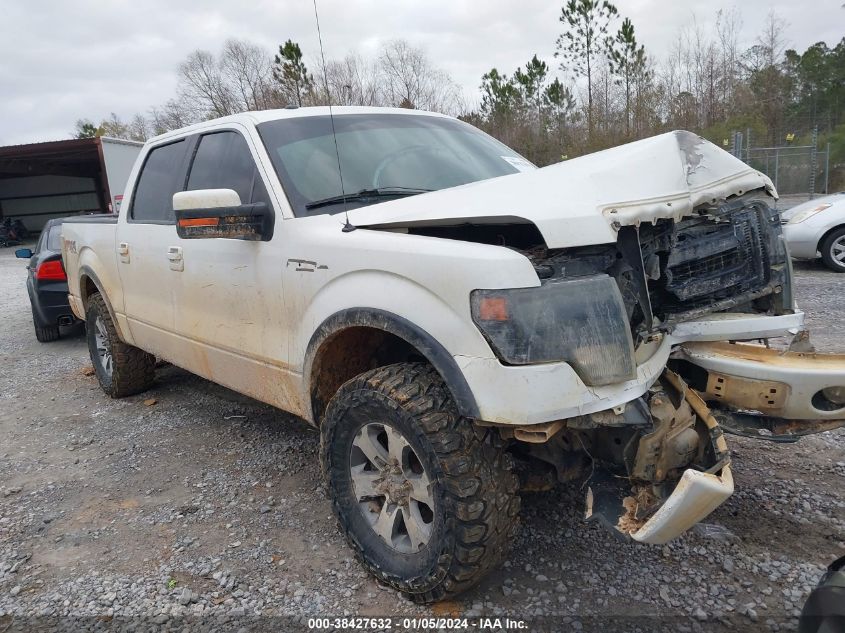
{"points": [[174, 255], [123, 252]]}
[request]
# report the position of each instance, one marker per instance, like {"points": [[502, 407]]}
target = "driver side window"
{"points": [[223, 161]]}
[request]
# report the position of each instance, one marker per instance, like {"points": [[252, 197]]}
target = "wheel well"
{"points": [[827, 234], [87, 287], [349, 352]]}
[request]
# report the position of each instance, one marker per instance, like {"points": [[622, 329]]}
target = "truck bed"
{"points": [[90, 260], [94, 218]]}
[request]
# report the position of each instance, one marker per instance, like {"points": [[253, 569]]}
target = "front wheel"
{"points": [[122, 370], [833, 250], [426, 499]]}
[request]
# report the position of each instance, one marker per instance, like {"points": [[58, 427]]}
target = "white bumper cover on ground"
{"points": [[696, 495]]}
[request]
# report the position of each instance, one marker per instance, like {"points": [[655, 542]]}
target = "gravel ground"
{"points": [[191, 507]]}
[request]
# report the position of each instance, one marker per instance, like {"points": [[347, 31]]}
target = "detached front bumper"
{"points": [[790, 393], [751, 390], [700, 489], [695, 496]]}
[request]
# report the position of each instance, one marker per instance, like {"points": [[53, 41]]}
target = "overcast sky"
{"points": [[61, 60]]}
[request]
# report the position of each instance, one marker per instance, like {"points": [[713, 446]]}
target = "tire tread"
{"points": [[133, 369], [476, 474]]}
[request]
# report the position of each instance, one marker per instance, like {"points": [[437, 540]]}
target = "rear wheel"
{"points": [[44, 334], [47, 334], [122, 370], [833, 250], [426, 499]]}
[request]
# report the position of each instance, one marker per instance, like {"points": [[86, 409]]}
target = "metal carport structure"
{"points": [[41, 181]]}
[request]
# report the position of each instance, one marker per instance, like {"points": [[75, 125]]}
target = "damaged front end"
{"points": [[654, 467], [652, 261], [659, 464], [727, 257]]}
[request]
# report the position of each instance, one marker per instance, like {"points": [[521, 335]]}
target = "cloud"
{"points": [[61, 60]]}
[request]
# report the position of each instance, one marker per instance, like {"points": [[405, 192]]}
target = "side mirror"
{"points": [[23, 253], [208, 213]]}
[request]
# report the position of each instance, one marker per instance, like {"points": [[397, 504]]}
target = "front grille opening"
{"points": [[706, 260], [709, 266]]}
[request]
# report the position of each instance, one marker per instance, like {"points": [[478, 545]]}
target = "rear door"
{"points": [[144, 233]]}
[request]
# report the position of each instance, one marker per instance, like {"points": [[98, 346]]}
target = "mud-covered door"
{"points": [[143, 235], [230, 299]]}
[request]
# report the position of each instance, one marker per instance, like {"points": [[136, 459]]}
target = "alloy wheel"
{"points": [[101, 339], [392, 487]]}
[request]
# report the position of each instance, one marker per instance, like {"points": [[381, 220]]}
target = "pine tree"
{"points": [[500, 97], [584, 40], [290, 72], [559, 103], [627, 60], [530, 83]]}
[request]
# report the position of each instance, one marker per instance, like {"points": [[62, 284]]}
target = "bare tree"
{"points": [[767, 78], [728, 27], [245, 67], [201, 84], [352, 80], [238, 80], [410, 79], [171, 115], [139, 128]]}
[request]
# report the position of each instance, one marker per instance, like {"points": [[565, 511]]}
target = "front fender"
{"points": [[388, 292], [412, 334]]}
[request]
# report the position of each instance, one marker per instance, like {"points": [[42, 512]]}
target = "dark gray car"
{"points": [[46, 283]]}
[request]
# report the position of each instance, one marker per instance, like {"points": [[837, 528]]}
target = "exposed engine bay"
{"points": [[726, 257]]}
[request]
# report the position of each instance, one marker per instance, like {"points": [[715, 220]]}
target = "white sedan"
{"points": [[818, 227]]}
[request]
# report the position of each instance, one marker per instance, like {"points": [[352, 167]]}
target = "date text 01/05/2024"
{"points": [[418, 624]]}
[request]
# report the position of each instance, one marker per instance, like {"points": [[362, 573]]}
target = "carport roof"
{"points": [[72, 157]]}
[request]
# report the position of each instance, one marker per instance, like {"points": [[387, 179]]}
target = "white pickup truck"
{"points": [[457, 322]]}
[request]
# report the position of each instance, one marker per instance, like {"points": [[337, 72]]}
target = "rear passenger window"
{"points": [[223, 161], [54, 238], [159, 180]]}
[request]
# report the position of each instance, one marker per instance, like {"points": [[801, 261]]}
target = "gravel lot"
{"points": [[192, 507]]}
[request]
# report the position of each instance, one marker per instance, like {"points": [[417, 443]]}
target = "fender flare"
{"points": [[85, 271], [412, 334]]}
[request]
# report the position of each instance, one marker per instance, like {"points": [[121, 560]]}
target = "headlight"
{"points": [[581, 321], [806, 214]]}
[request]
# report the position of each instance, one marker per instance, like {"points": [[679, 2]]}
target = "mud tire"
{"points": [[472, 483], [133, 370]]}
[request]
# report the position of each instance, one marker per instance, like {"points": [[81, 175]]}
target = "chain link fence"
{"points": [[794, 169]]}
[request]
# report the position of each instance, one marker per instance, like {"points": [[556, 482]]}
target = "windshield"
{"points": [[391, 154]]}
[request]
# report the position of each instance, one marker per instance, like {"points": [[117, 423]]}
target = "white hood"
{"points": [[583, 201]]}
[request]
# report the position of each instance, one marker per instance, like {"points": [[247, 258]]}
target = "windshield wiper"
{"points": [[365, 194]]}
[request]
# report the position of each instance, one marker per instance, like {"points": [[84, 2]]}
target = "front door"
{"points": [[229, 299]]}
